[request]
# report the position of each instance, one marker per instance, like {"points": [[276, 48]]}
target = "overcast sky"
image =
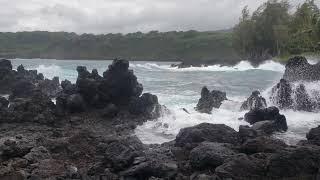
{"points": [[112, 16]]}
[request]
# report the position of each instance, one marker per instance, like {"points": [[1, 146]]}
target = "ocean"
{"points": [[180, 88]]}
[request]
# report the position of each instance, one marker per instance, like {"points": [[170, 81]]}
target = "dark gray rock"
{"points": [[120, 154], [268, 114], [110, 111], [156, 162], [287, 95], [36, 108], [192, 136], [75, 103], [37, 154], [147, 104], [210, 100], [242, 166], [3, 103], [50, 87], [313, 136], [303, 101], [246, 132], [262, 144], [22, 89], [298, 69], [300, 162], [255, 101], [119, 84], [282, 95], [210, 155]]}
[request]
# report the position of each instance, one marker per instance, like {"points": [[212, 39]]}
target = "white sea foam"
{"points": [[242, 66], [168, 126], [50, 71]]}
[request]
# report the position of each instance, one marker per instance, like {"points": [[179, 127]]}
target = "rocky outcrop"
{"points": [[210, 155], [298, 69], [282, 95], [210, 100], [314, 136], [242, 166], [267, 120], [36, 108], [300, 162], [118, 90], [13, 81], [262, 144], [219, 133], [287, 95], [255, 101]]}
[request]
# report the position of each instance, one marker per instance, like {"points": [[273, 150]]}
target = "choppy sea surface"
{"points": [[180, 88]]}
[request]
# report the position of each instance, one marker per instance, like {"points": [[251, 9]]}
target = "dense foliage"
{"points": [[190, 46], [273, 30]]}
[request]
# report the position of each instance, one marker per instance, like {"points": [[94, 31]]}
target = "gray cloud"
{"points": [[112, 16]]}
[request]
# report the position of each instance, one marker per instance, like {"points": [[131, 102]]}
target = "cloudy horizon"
{"points": [[122, 16]]}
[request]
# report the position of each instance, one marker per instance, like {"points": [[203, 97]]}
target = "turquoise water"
{"points": [[180, 88]]}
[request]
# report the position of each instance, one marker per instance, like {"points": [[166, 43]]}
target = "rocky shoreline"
{"points": [[89, 132]]}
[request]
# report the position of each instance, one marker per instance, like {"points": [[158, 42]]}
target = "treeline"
{"points": [[191, 46], [274, 30]]}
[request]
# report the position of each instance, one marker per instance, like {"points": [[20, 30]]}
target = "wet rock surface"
{"points": [[255, 101], [298, 69], [21, 81], [268, 120], [287, 95], [210, 100]]}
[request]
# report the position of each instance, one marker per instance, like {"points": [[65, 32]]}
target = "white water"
{"points": [[180, 88]]}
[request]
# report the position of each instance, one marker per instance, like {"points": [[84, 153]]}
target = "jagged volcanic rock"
{"points": [[255, 101], [268, 119], [288, 95], [298, 69], [210, 100]]}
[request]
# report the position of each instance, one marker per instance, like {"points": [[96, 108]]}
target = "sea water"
{"points": [[180, 88]]}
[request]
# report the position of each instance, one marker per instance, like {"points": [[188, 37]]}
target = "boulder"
{"points": [[75, 103], [37, 154], [265, 127], [210, 155], [262, 144], [255, 101], [313, 136], [242, 166], [300, 162], [147, 105], [120, 153], [192, 136], [210, 100], [268, 114], [3, 103], [119, 84], [156, 162], [287, 95], [13, 148], [246, 132], [36, 108], [303, 101], [282, 95], [5, 66], [298, 69]]}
